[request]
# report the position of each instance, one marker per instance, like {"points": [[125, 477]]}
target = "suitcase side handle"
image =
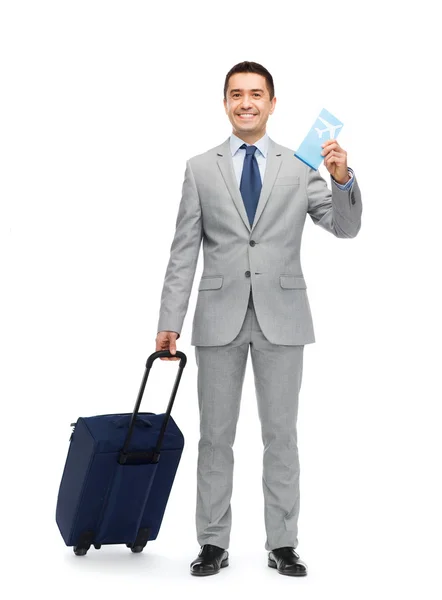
{"points": [[125, 456]]}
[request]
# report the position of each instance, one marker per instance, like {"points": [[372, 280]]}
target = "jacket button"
{"points": [[247, 273], [252, 243]]}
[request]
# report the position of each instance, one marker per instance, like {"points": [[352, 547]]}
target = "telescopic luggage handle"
{"points": [[148, 457]]}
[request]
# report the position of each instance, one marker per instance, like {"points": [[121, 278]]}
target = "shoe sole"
{"points": [[224, 563], [273, 565]]}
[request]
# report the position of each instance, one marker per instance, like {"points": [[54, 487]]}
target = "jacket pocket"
{"points": [[292, 282], [210, 283], [288, 180]]}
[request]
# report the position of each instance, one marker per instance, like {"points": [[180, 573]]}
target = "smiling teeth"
{"points": [[247, 115]]}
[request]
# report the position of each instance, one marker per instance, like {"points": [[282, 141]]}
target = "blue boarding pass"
{"points": [[324, 128]]}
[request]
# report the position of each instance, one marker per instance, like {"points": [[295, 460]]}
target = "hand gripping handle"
{"points": [[143, 457]]}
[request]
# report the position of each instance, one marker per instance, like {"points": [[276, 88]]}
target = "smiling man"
{"points": [[247, 201]]}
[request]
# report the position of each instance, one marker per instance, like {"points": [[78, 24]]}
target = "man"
{"points": [[247, 199]]}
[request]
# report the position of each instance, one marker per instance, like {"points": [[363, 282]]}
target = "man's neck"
{"points": [[249, 138]]}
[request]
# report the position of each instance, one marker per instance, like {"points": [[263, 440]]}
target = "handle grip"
{"points": [[168, 354]]}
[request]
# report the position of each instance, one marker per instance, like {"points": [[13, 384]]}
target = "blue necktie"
{"points": [[251, 185]]}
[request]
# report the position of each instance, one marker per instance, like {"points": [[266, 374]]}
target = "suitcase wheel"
{"points": [[141, 540], [97, 546], [136, 547], [84, 543]]}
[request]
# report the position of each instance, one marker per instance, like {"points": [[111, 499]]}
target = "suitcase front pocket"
{"points": [[125, 501]]}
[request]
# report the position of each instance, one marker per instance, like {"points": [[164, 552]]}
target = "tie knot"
{"points": [[250, 150]]}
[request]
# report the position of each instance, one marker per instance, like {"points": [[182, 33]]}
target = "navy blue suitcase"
{"points": [[119, 473]]}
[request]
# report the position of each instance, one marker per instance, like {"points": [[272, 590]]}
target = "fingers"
{"points": [[332, 146], [172, 350], [335, 157], [165, 343]]}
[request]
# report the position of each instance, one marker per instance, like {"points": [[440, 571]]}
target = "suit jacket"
{"points": [[264, 257]]}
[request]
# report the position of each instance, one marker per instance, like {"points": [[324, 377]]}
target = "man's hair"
{"points": [[250, 67]]}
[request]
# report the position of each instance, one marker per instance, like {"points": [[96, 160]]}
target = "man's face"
{"points": [[247, 94]]}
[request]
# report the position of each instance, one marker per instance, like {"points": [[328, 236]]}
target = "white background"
{"points": [[102, 103]]}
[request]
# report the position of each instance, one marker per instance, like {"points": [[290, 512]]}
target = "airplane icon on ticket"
{"points": [[328, 127], [309, 151]]}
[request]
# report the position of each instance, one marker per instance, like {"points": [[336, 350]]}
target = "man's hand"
{"points": [[335, 161], [166, 340]]}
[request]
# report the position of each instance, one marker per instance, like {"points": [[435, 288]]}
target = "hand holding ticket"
{"points": [[324, 128]]}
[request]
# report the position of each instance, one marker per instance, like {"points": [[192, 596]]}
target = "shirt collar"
{"points": [[262, 144]]}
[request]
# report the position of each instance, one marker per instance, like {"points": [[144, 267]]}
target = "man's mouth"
{"points": [[246, 115]]}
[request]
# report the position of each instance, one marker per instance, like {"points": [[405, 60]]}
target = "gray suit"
{"points": [[275, 321]]}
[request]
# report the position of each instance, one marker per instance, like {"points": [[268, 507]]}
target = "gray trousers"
{"points": [[278, 374]]}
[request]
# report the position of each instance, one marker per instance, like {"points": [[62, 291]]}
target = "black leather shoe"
{"points": [[286, 560], [210, 560]]}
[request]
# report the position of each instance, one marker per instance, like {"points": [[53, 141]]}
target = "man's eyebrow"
{"points": [[252, 90]]}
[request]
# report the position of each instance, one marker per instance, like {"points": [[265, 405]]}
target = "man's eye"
{"points": [[255, 94]]}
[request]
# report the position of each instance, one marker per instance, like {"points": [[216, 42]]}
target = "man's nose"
{"points": [[247, 98], [246, 103]]}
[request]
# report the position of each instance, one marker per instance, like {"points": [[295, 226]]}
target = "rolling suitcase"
{"points": [[119, 473]]}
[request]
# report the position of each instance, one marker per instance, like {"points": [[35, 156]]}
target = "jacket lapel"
{"points": [[225, 164]]}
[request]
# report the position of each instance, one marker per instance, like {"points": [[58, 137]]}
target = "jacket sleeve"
{"points": [[337, 211], [184, 252]]}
